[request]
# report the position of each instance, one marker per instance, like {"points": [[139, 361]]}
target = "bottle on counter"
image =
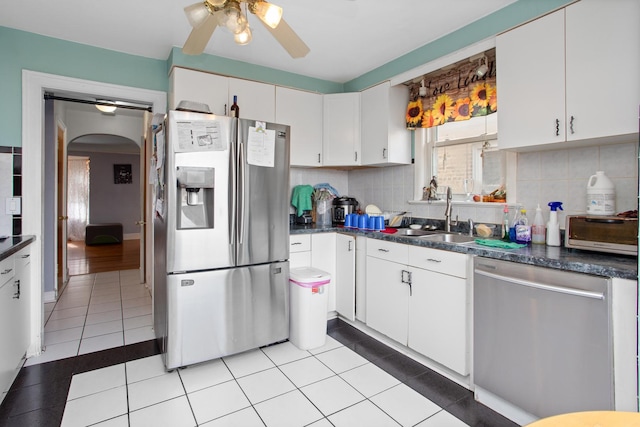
{"points": [[538, 228], [553, 227], [522, 227], [505, 224], [234, 111]]}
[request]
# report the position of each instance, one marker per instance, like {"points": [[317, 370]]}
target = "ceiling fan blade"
{"points": [[288, 39], [200, 36]]}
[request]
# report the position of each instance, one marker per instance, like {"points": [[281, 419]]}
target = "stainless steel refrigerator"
{"points": [[220, 237]]}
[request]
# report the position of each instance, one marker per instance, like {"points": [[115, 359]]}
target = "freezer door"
{"points": [[199, 200], [263, 192], [218, 313]]}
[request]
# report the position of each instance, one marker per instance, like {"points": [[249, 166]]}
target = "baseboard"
{"points": [[131, 236], [50, 296]]}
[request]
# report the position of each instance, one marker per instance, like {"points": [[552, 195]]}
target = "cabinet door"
{"points": [[323, 256], [341, 129], [603, 68], [385, 138], [9, 358], [346, 276], [257, 101], [531, 83], [23, 320], [438, 319], [197, 86], [387, 298], [303, 112]]}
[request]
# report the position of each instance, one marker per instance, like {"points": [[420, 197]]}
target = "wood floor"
{"points": [[83, 259]]}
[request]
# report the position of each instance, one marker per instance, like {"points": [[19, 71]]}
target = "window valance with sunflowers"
{"points": [[454, 93]]}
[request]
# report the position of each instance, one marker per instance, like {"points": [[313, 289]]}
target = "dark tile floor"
{"points": [[39, 393], [452, 397]]}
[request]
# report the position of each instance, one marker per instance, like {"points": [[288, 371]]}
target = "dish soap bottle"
{"points": [[523, 230], [553, 228], [538, 229]]}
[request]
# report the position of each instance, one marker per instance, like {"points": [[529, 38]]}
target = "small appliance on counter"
{"points": [[343, 206], [614, 234], [305, 219]]}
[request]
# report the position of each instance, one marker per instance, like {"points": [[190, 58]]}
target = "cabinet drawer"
{"points": [[299, 242], [395, 252], [22, 258], [7, 269], [451, 263]]}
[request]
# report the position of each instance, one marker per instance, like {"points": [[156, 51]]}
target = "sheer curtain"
{"points": [[77, 197]]}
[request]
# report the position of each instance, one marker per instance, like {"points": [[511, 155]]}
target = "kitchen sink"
{"points": [[413, 233], [449, 238]]}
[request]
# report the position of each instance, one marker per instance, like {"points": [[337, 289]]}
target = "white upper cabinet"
{"points": [[589, 51], [197, 86], [341, 129], [385, 138], [531, 103], [257, 101], [603, 68], [303, 112]]}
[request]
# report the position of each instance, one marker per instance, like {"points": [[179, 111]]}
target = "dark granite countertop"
{"points": [[11, 245], [561, 258]]}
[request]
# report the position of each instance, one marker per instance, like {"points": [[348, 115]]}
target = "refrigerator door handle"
{"points": [[233, 201], [241, 190]]}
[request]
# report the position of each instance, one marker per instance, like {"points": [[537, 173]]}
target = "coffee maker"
{"points": [[343, 206]]}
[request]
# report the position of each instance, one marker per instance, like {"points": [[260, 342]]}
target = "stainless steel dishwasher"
{"points": [[542, 337]]}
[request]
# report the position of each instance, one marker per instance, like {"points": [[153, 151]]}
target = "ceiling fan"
{"points": [[206, 15]]}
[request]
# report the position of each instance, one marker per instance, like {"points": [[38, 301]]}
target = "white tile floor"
{"points": [[96, 312], [274, 386]]}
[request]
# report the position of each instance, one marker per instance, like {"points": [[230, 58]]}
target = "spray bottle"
{"points": [[553, 227], [538, 229]]}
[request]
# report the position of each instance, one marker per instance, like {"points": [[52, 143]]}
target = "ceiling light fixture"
{"points": [[105, 108], [206, 15], [268, 13]]}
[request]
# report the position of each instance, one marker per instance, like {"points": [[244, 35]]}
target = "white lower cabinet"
{"points": [[334, 253], [346, 276], [299, 250], [14, 315], [419, 297]]}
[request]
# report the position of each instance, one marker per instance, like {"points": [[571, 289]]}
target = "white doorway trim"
{"points": [[34, 84]]}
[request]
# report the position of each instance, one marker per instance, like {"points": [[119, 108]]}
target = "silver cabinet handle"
{"points": [[296, 243], [25, 256], [557, 127], [384, 153], [349, 246], [383, 250], [571, 125], [356, 156], [7, 271], [16, 295], [318, 157], [434, 260]]}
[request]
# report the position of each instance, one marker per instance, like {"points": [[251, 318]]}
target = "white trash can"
{"points": [[308, 307]]}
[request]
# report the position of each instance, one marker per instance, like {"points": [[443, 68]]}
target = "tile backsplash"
{"points": [[10, 186], [541, 177]]}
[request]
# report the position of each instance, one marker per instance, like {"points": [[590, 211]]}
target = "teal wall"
{"points": [[21, 50]]}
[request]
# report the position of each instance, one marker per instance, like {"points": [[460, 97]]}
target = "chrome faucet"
{"points": [[470, 227], [447, 211]]}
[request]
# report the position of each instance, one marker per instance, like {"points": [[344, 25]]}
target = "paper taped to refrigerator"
{"points": [[261, 147], [200, 135]]}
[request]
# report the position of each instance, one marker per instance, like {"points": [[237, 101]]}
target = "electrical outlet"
{"points": [[12, 205]]}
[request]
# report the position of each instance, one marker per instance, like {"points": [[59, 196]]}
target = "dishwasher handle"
{"points": [[551, 288]]}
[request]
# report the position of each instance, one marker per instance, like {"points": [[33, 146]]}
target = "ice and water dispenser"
{"points": [[195, 197]]}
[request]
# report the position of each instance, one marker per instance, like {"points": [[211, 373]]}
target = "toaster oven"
{"points": [[602, 233]]}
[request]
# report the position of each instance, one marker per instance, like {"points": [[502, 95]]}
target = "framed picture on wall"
{"points": [[122, 174]]}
